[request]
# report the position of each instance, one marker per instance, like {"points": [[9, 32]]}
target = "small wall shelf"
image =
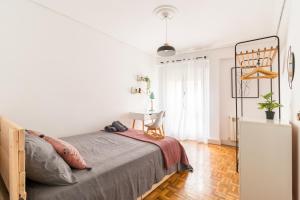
{"points": [[141, 89], [136, 90]]}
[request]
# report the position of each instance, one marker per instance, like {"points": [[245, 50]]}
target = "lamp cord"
{"points": [[166, 18]]}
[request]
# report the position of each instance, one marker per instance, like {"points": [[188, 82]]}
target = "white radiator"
{"points": [[232, 128]]}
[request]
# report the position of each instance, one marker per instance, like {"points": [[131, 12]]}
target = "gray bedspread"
{"points": [[122, 169]]}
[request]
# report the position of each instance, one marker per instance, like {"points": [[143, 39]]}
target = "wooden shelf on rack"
{"points": [[257, 59], [263, 57]]}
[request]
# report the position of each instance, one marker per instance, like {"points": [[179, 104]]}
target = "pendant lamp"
{"points": [[166, 13]]}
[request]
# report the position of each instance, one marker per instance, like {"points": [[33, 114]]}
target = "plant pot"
{"points": [[270, 115]]}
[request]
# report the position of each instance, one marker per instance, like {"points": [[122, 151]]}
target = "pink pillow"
{"points": [[67, 151]]}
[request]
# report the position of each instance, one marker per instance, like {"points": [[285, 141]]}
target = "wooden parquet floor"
{"points": [[214, 176]]}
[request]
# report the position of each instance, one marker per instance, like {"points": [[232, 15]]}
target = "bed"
{"points": [[122, 168]]}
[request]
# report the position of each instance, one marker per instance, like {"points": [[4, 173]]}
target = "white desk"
{"points": [[142, 117]]}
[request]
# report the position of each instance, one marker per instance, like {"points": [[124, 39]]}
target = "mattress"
{"points": [[122, 169]]}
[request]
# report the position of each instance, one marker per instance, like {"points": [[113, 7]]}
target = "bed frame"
{"points": [[156, 186], [12, 160]]}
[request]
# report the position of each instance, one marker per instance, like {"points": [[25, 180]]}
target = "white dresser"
{"points": [[265, 160]]}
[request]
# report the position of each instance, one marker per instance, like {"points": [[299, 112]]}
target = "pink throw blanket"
{"points": [[172, 151]]}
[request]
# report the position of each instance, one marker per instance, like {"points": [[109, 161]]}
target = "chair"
{"points": [[157, 125]]}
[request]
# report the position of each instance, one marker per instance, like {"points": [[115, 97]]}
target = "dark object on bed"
{"points": [[44, 165], [123, 169], [116, 126], [119, 126], [110, 129]]}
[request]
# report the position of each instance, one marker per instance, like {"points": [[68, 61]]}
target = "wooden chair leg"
{"points": [[133, 124], [158, 130], [161, 132]]}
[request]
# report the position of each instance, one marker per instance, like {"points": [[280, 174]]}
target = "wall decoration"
{"points": [[291, 67], [140, 90], [135, 90], [147, 80], [250, 87]]}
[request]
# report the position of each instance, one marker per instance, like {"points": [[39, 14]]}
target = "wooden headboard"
{"points": [[12, 158]]}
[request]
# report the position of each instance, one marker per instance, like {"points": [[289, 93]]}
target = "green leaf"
{"points": [[269, 104], [268, 95]]}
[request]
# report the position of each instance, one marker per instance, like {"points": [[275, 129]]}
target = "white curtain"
{"points": [[185, 98]]}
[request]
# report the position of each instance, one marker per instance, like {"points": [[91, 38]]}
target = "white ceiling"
{"points": [[198, 24]]}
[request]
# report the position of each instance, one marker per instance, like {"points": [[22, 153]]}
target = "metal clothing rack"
{"points": [[237, 99]]}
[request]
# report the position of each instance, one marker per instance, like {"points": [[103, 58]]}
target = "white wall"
{"points": [[290, 32], [227, 103], [62, 77]]}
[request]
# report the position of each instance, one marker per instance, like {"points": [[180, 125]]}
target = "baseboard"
{"points": [[209, 141], [214, 141], [221, 142], [228, 143]]}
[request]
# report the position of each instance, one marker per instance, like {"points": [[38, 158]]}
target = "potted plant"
{"points": [[269, 105]]}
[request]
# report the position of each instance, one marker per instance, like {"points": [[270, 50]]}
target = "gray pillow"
{"points": [[44, 165]]}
